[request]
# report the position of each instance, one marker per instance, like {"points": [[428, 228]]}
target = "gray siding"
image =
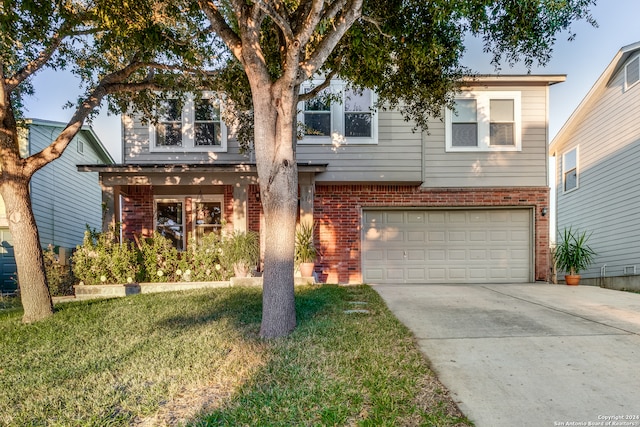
{"points": [[65, 200], [607, 201], [526, 168], [396, 157]]}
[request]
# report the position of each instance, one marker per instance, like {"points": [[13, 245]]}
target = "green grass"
{"points": [[195, 358]]}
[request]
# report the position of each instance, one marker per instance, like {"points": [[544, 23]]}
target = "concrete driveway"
{"points": [[529, 355]]}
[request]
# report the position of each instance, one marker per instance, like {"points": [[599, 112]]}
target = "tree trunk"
{"points": [[274, 107], [34, 291]]}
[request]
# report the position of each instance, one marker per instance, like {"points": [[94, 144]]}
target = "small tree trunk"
{"points": [[34, 291], [278, 173]]}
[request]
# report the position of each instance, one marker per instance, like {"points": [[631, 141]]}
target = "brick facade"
{"points": [[338, 209], [137, 211]]}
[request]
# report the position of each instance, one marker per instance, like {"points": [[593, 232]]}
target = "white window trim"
{"points": [[188, 136], [337, 137], [564, 172], [169, 199], [483, 99], [626, 68]]}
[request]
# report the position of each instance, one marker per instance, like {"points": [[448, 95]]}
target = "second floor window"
{"points": [[570, 169], [339, 114], [194, 125], [484, 121]]}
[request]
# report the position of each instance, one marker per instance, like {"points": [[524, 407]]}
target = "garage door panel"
{"points": [[462, 246]]}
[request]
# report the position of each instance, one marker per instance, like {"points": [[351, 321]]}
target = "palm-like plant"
{"points": [[573, 254], [306, 250]]}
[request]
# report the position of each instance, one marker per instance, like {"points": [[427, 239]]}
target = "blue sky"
{"points": [[582, 60]]}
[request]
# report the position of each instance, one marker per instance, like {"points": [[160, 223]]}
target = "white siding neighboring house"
{"points": [[64, 200], [598, 169]]}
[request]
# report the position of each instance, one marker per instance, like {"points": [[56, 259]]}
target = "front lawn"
{"points": [[195, 358]]}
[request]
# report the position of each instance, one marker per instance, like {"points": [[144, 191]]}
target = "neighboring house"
{"points": [[465, 202], [597, 170], [64, 200]]}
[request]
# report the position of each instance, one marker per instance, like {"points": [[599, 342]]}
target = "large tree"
{"points": [[408, 51], [116, 48]]}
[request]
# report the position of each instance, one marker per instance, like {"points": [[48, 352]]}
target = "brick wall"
{"points": [[337, 210], [137, 211]]}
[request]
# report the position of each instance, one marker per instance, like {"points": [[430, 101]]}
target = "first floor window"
{"points": [[169, 221], [570, 169], [484, 121], [207, 217]]}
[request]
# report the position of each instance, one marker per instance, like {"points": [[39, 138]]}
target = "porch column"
{"points": [[108, 206], [306, 183], [240, 211]]}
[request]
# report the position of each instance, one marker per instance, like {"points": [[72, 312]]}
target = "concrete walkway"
{"points": [[529, 355]]}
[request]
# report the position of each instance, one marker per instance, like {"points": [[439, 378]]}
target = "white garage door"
{"points": [[447, 246]]}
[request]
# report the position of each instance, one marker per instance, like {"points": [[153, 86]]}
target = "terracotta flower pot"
{"points": [[572, 280], [306, 269]]}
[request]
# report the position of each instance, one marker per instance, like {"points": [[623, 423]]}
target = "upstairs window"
{"points": [[197, 126], [338, 115], [632, 72], [570, 170], [484, 121]]}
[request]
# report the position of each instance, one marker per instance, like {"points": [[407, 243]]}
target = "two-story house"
{"points": [[64, 201], [465, 202], [597, 171]]}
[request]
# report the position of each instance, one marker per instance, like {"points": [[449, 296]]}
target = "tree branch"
{"points": [[221, 28], [317, 89], [38, 62], [352, 11], [376, 23], [273, 12]]}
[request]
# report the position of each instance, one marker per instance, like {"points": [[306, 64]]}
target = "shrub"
{"points": [[59, 277], [160, 259], [102, 260], [204, 260]]}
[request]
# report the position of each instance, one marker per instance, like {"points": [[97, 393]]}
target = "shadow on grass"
{"points": [[242, 306]]}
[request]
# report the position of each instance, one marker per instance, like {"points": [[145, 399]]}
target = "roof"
{"points": [[86, 129], [592, 96], [513, 79], [244, 167]]}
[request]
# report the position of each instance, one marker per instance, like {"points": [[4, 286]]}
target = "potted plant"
{"points": [[306, 251], [242, 251], [573, 254]]}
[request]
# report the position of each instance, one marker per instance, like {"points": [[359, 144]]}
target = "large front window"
{"points": [[484, 121], [192, 125], [338, 114]]}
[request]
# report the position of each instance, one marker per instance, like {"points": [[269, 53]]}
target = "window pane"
{"points": [[318, 124], [207, 111], [570, 160], [170, 111], [501, 134], [501, 110], [169, 222], [207, 134], [464, 135], [570, 180], [317, 104], [169, 135], [465, 110], [357, 101], [357, 124], [208, 218], [633, 71]]}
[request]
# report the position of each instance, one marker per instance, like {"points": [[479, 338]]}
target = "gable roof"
{"points": [[86, 130], [592, 96]]}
